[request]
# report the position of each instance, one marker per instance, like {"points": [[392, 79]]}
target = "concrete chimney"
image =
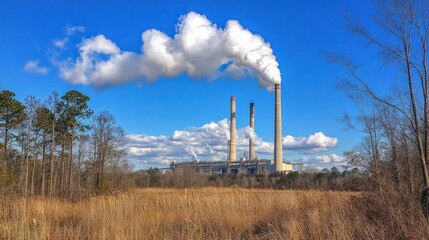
{"points": [[227, 149], [278, 151], [252, 126], [233, 133]]}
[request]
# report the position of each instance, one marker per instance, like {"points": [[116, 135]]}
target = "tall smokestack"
{"points": [[233, 134], [227, 149], [278, 151], [252, 126]]}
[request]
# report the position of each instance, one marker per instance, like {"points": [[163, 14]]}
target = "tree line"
{"points": [[333, 179], [59, 147]]}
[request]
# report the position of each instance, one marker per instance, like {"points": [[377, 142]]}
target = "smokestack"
{"points": [[233, 134], [227, 150], [278, 151], [252, 126]]}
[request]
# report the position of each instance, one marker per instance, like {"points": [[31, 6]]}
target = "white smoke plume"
{"points": [[191, 153], [199, 48]]}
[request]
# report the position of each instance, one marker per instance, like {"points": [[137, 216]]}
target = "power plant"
{"points": [[252, 164]]}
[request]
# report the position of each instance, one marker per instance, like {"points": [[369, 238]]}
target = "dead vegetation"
{"points": [[208, 213]]}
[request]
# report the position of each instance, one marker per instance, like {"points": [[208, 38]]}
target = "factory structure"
{"points": [[249, 164]]}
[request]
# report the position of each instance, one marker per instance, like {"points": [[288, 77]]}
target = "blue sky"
{"points": [[150, 112]]}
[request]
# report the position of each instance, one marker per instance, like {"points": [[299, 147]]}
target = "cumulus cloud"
{"points": [[199, 48], [331, 158], [207, 142], [317, 142], [33, 66], [319, 162]]}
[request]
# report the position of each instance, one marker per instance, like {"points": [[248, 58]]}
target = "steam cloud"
{"points": [[199, 48]]}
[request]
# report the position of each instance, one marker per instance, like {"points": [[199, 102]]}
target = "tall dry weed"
{"points": [[208, 213]]}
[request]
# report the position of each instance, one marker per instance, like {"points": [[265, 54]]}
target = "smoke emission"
{"points": [[199, 48]]}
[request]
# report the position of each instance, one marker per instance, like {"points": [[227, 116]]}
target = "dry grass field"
{"points": [[208, 213]]}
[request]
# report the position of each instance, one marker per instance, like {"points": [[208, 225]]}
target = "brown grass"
{"points": [[209, 213]]}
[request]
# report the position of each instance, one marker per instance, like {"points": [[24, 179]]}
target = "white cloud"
{"points": [[89, 68], [61, 43], [71, 30], [33, 66], [207, 142], [317, 142], [331, 158], [317, 163], [199, 48]]}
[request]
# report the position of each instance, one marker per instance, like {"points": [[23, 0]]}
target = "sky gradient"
{"points": [[171, 117]]}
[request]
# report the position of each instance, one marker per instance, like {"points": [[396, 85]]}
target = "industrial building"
{"points": [[259, 166], [252, 164]]}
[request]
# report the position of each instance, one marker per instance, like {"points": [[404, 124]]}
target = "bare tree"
{"points": [[31, 104], [53, 105], [106, 138], [43, 122], [403, 46]]}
